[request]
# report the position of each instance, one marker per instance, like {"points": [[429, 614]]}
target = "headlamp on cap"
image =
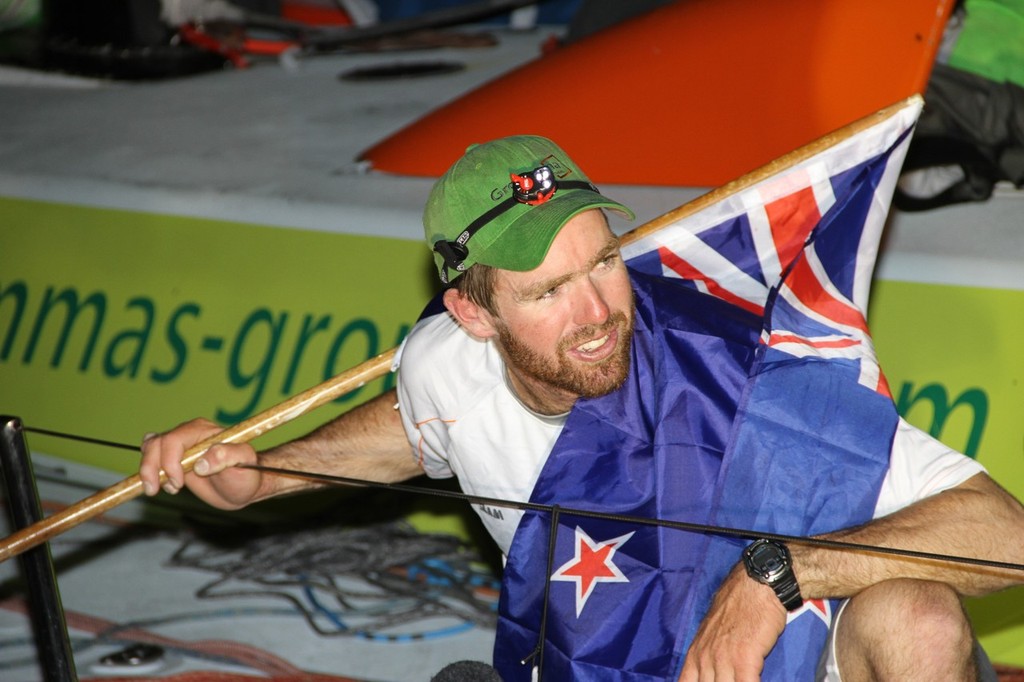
{"points": [[534, 187]]}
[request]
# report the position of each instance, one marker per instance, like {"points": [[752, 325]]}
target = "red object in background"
{"points": [[192, 34], [268, 47], [695, 93], [315, 15]]}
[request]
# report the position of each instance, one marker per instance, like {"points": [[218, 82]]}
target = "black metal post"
{"points": [[45, 606]]}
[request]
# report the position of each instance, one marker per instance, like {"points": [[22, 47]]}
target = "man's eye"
{"points": [[549, 293], [608, 261]]}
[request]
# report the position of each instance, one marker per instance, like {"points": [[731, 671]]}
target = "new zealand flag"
{"points": [[754, 401]]}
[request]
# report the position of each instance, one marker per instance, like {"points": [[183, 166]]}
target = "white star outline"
{"points": [[583, 594]]}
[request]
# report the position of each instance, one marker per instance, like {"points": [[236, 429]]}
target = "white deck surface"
{"points": [[120, 583]]}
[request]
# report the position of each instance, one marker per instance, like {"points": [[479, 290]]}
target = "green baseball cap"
{"points": [[503, 203]]}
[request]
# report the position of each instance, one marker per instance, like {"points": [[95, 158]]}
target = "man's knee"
{"points": [[905, 629]]}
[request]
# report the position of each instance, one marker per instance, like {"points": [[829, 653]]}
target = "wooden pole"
{"points": [[243, 432], [359, 375]]}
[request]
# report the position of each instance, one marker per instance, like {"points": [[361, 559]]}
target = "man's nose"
{"points": [[591, 307]]}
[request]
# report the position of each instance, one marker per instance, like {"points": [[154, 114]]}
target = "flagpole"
{"points": [[243, 432], [374, 368]]}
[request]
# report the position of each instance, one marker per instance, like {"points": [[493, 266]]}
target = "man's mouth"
{"points": [[591, 346], [599, 348]]}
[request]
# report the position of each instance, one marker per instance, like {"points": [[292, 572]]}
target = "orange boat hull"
{"points": [[695, 93]]}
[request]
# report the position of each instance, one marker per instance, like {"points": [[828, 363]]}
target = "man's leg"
{"points": [[906, 630]]}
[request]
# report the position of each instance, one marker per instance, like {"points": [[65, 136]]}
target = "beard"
{"points": [[590, 380]]}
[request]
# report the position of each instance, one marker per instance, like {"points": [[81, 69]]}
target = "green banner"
{"points": [[115, 323]]}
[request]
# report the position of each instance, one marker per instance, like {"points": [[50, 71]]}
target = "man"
{"points": [[549, 322]]}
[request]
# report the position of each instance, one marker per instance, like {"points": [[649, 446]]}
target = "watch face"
{"points": [[767, 560]]}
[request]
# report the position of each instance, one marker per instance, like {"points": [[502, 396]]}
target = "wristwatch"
{"points": [[769, 562]]}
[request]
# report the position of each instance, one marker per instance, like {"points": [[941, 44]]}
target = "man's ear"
{"points": [[472, 317]]}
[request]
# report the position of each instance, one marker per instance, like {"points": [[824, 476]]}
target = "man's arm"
{"points": [[976, 519], [367, 442]]}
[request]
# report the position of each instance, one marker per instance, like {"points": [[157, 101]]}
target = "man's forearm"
{"points": [[977, 519], [367, 442]]}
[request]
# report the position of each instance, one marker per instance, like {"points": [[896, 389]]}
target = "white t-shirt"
{"points": [[463, 420]]}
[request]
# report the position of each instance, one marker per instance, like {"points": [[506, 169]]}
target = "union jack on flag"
{"points": [[809, 233]]}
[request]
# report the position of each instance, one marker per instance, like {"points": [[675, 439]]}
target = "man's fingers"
{"points": [[164, 452], [222, 456], [149, 467]]}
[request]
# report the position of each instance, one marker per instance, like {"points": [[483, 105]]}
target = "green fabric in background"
{"points": [[991, 42]]}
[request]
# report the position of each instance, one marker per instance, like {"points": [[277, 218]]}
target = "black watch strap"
{"points": [[769, 562], [788, 592]]}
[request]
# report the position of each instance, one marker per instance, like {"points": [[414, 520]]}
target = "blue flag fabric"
{"points": [[754, 400]]}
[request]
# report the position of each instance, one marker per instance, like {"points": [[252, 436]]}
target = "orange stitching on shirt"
{"points": [[419, 445]]}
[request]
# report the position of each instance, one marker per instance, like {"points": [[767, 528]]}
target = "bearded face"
{"points": [[564, 328], [563, 370]]}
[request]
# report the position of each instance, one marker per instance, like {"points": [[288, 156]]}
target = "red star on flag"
{"points": [[592, 564]]}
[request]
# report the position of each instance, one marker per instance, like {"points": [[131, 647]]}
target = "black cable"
{"points": [[82, 439], [587, 513], [542, 637], [639, 520]]}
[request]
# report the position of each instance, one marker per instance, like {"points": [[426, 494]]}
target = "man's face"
{"points": [[565, 327]]}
